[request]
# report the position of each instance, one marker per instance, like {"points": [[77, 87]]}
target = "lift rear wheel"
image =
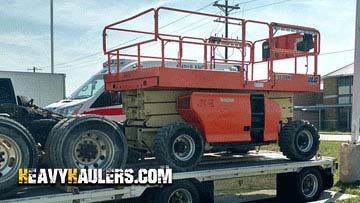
{"points": [[183, 191], [17, 150], [179, 145], [91, 142], [299, 140]]}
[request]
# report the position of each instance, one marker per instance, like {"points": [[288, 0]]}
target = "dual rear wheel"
{"points": [[88, 142]]}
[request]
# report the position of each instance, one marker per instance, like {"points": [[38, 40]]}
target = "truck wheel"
{"points": [[91, 142], [299, 140], [51, 144], [179, 145], [17, 150], [305, 186], [182, 191]]}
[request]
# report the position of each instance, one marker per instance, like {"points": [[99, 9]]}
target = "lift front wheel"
{"points": [[179, 145]]}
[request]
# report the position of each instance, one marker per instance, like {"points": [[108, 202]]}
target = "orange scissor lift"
{"points": [[177, 109]]}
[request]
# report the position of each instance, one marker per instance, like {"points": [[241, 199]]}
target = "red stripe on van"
{"points": [[106, 112]]}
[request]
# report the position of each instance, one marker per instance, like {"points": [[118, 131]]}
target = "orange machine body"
{"points": [[230, 117]]}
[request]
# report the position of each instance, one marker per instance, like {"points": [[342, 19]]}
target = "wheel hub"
{"points": [[3, 157], [93, 149], [180, 196], [304, 141], [10, 156], [309, 185], [184, 147], [180, 147], [88, 150]]}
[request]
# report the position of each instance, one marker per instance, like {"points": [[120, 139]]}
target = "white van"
{"points": [[91, 97]]}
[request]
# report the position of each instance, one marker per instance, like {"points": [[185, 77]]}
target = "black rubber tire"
{"points": [[328, 179], [289, 186], [241, 149], [300, 177], [148, 196], [206, 191], [288, 137], [27, 146], [164, 140], [51, 143], [72, 129], [164, 194]]}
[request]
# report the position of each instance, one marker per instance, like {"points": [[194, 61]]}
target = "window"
{"points": [[344, 90], [7, 95], [89, 88], [107, 99]]}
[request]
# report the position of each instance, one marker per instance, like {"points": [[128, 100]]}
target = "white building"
{"points": [[44, 88]]}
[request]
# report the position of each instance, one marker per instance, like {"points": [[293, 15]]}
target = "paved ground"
{"points": [[267, 196], [330, 137]]}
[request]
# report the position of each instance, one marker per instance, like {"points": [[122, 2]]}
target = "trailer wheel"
{"points": [[299, 140], [17, 150], [305, 186], [309, 184], [182, 191], [91, 142], [179, 145]]}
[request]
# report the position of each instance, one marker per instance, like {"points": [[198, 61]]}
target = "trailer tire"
{"points": [[181, 190], [299, 140], [91, 142], [172, 140], [305, 186], [328, 179], [16, 143]]}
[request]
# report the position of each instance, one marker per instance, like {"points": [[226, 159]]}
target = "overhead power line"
{"points": [[226, 8], [336, 52], [100, 52], [168, 24], [263, 6]]}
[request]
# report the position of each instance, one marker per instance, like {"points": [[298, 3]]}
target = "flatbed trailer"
{"points": [[202, 178]]}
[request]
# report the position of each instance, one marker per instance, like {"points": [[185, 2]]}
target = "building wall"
{"points": [[308, 99], [330, 118], [44, 88]]}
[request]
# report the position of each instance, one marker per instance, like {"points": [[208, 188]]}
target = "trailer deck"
{"points": [[212, 168]]}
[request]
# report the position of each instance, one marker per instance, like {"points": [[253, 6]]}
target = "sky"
{"points": [[78, 25]]}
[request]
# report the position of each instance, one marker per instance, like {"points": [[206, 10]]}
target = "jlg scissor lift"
{"points": [[178, 111]]}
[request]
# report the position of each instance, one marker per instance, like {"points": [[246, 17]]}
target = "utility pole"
{"points": [[52, 35], [350, 152], [356, 82], [226, 9], [34, 69]]}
